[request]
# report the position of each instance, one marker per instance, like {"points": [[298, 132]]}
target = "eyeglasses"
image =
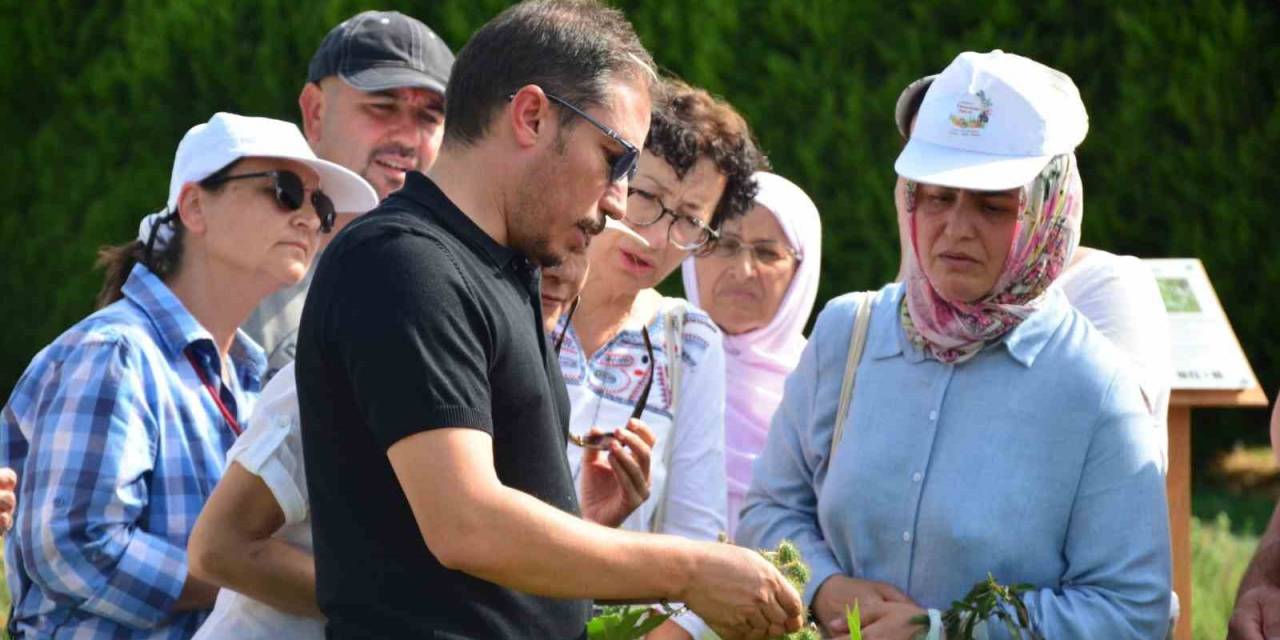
{"points": [[289, 192], [623, 165], [601, 440], [766, 254], [685, 231]]}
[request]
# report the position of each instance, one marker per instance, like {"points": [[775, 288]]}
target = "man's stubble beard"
{"points": [[529, 230]]}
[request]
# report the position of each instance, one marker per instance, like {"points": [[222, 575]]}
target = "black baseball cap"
{"points": [[379, 50]]}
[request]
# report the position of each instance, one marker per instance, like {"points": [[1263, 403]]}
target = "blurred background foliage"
{"points": [[1184, 140]]}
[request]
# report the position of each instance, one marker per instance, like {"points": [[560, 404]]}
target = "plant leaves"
{"points": [[854, 618]]}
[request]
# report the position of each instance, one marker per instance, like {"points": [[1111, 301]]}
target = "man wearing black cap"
{"points": [[374, 100], [373, 103]]}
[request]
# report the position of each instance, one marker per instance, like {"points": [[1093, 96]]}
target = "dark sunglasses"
{"points": [[619, 167], [289, 192], [601, 440]]}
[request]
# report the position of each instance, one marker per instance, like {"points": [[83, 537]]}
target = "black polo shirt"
{"points": [[418, 320]]}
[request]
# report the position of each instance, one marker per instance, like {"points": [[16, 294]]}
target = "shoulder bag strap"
{"points": [[673, 346], [857, 342]]}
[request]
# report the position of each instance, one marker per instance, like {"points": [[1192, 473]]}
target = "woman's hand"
{"points": [[840, 592], [613, 486], [886, 620]]}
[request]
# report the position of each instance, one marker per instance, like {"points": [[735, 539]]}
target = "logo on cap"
{"points": [[971, 114]]}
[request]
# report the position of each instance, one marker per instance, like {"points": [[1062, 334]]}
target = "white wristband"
{"points": [[935, 625]]}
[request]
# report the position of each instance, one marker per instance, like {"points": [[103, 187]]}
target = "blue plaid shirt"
{"points": [[117, 445]]}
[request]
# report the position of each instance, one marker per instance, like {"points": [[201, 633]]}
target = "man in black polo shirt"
{"points": [[432, 410]]}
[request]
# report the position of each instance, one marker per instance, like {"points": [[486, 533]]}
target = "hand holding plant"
{"points": [[993, 603], [838, 593]]}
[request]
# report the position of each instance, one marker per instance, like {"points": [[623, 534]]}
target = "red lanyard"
{"points": [[213, 393]]}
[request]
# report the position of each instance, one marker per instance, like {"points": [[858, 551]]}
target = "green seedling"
{"points": [[853, 617]]}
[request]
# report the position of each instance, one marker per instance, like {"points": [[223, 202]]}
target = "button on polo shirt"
{"points": [[417, 320]]}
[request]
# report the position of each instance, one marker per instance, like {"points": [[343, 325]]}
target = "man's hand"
{"points": [[886, 620], [840, 592], [740, 595], [8, 498], [614, 485], [1257, 615]]}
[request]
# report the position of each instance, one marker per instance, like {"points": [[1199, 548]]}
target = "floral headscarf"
{"points": [[1046, 234]]}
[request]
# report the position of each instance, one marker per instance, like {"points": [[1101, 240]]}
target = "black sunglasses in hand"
{"points": [[601, 440], [289, 193], [623, 165]]}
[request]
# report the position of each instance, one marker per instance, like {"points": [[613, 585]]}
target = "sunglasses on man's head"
{"points": [[623, 165], [289, 193]]}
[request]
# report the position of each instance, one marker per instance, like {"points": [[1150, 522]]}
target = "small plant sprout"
{"points": [[853, 617]]}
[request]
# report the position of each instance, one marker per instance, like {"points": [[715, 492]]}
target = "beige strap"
{"points": [[857, 342], [673, 335]]}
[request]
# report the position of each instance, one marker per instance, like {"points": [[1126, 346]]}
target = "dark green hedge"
{"points": [[1183, 96]]}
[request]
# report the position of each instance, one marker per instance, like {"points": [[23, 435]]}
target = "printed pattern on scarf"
{"points": [[1045, 236]]}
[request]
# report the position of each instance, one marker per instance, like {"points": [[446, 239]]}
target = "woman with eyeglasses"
{"points": [[119, 428], [968, 422], [627, 351], [758, 282]]}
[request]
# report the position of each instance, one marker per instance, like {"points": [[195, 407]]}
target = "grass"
{"points": [[1218, 560], [1231, 507]]}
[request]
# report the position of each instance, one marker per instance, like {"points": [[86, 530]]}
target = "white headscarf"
{"points": [[757, 362]]}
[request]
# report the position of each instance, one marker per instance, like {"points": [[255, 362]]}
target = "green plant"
{"points": [[988, 601], [791, 564], [628, 622], [853, 617]]}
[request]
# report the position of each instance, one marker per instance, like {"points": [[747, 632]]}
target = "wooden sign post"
{"points": [[1211, 370]]}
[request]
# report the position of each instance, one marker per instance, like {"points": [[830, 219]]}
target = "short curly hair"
{"points": [[688, 123]]}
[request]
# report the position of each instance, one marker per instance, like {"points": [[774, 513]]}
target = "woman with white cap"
{"points": [[1117, 293], [968, 421], [119, 428], [761, 301]]}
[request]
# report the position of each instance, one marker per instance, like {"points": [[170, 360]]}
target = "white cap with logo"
{"points": [[992, 121]]}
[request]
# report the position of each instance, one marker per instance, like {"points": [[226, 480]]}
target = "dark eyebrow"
{"points": [[695, 205], [658, 189]]}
